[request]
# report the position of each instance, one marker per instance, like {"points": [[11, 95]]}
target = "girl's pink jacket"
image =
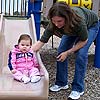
{"points": [[22, 61]]}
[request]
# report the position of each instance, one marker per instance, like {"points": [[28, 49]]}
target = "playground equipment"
{"points": [[10, 30], [34, 7], [13, 23], [82, 3]]}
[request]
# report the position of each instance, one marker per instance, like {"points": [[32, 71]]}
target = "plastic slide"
{"points": [[10, 89]]}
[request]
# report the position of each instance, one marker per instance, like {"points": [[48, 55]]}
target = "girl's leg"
{"points": [[34, 72], [18, 75], [34, 75], [21, 77]]}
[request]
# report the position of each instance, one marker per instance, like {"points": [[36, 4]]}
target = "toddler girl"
{"points": [[22, 61]]}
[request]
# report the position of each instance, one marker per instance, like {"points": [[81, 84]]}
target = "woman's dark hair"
{"points": [[25, 37], [62, 9]]}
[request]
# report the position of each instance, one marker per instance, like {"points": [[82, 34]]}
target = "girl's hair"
{"points": [[25, 37], [62, 9]]}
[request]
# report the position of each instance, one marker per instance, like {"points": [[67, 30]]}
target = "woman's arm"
{"points": [[76, 47], [37, 46]]}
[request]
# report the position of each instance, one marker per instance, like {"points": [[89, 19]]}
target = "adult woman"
{"points": [[78, 28]]}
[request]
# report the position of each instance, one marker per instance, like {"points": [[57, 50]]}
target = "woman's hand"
{"points": [[65, 54], [36, 46], [62, 56]]}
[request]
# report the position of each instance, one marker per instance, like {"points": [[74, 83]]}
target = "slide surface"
{"points": [[10, 30]]}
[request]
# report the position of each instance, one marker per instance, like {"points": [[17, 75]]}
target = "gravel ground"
{"points": [[92, 79]]}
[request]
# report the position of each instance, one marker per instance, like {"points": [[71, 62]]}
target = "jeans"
{"points": [[81, 60]]}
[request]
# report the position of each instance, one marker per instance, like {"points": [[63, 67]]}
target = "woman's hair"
{"points": [[62, 9], [25, 37]]}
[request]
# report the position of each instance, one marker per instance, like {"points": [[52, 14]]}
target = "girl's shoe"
{"points": [[35, 79], [25, 79]]}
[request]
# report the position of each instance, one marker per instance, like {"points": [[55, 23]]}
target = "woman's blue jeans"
{"points": [[81, 60]]}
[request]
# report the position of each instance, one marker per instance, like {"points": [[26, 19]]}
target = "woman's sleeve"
{"points": [[46, 35], [82, 31]]}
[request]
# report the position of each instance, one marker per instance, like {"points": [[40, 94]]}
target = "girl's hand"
{"points": [[13, 71], [62, 56]]}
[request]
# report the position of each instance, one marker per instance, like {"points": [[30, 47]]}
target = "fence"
{"points": [[14, 7]]}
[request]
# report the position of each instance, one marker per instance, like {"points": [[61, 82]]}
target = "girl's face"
{"points": [[58, 21], [24, 45]]}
